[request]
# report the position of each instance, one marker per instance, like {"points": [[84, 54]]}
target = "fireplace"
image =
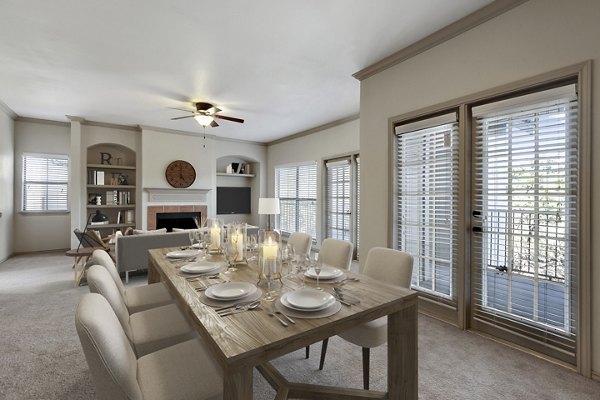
{"points": [[153, 211], [183, 220]]}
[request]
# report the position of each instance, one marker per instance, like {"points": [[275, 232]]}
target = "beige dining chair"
{"points": [[138, 298], [335, 253], [183, 371], [389, 266], [148, 330], [301, 242]]}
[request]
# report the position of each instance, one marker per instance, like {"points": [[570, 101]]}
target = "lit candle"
{"points": [[215, 237], [270, 249], [238, 239]]}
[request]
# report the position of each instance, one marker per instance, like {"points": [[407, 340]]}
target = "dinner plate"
{"points": [[182, 253], [327, 272], [308, 299], [200, 267], [198, 245], [283, 300], [230, 290]]}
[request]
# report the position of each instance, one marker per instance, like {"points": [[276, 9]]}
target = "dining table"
{"points": [[243, 341]]}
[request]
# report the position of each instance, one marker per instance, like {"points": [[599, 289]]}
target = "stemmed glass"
{"points": [[317, 267], [192, 236], [252, 246], [270, 295]]}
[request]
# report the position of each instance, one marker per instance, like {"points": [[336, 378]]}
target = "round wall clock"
{"points": [[180, 174]]}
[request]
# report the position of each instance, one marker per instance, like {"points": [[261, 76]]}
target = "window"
{"points": [[426, 211], [525, 194], [45, 182], [296, 188], [341, 205]]}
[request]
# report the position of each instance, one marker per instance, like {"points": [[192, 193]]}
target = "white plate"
{"points": [[327, 272], [198, 246], [309, 299], [230, 290], [183, 253], [200, 267], [286, 303]]}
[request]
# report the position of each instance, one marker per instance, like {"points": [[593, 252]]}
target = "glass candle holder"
{"points": [[237, 237], [216, 233], [269, 256]]}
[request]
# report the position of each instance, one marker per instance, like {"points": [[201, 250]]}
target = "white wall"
{"points": [[536, 37], [319, 146], [37, 232], [7, 151]]}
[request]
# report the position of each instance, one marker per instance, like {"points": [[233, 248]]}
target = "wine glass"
{"points": [[317, 267], [289, 254], [192, 236], [268, 272], [252, 246]]}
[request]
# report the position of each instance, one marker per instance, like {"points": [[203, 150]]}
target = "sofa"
{"points": [[132, 250]]}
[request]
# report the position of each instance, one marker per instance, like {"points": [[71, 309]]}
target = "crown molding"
{"points": [[198, 134], [315, 129], [464, 24], [43, 121], [74, 118], [13, 115], [134, 128]]}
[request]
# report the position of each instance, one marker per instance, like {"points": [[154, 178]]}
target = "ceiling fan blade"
{"points": [[232, 119], [214, 124], [187, 116], [181, 109], [213, 110]]}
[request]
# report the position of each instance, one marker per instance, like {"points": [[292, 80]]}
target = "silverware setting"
{"points": [[344, 298], [281, 313], [200, 276], [272, 314], [207, 285], [237, 305], [239, 309]]}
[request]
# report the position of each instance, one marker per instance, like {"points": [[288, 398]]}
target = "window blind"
{"points": [[426, 202], [338, 204], [296, 188], [525, 216], [45, 182]]}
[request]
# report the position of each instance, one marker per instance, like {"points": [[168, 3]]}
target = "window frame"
{"points": [[24, 182]]}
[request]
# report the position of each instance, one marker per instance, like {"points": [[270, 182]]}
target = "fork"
{"points": [[281, 313], [272, 314]]}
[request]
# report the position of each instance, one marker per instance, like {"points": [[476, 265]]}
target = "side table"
{"points": [[81, 255]]}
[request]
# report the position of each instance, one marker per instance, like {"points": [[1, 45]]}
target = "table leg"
{"points": [[403, 354], [81, 273], [238, 385], [75, 264]]}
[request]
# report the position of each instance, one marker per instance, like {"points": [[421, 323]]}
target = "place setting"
{"points": [[308, 303], [229, 295]]}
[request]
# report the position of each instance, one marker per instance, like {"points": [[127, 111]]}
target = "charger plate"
{"points": [[219, 303]]}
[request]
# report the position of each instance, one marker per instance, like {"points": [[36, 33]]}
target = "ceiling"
{"points": [[283, 66]]}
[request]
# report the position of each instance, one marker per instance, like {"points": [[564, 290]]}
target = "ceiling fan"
{"points": [[205, 114]]}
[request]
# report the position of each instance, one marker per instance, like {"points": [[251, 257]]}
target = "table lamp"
{"points": [[268, 206]]}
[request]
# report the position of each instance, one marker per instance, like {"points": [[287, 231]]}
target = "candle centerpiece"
{"points": [[237, 239], [215, 234], [269, 258]]}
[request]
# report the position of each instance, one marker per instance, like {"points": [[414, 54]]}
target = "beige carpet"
{"points": [[40, 355]]}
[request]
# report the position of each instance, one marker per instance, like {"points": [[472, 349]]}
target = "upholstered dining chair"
{"points": [[336, 253], [301, 242], [148, 330], [390, 266], [182, 371], [138, 298]]}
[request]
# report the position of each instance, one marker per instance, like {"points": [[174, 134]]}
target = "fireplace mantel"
{"points": [[176, 195]]}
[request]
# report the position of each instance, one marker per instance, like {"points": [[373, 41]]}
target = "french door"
{"points": [[524, 217]]}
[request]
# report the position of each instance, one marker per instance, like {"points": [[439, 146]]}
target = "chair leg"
{"points": [[323, 353], [307, 351], [366, 361]]}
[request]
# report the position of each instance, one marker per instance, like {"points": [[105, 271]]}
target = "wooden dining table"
{"points": [[243, 341]]}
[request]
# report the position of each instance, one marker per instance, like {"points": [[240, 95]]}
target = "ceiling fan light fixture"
{"points": [[204, 120]]}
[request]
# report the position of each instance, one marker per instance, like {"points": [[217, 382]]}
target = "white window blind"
{"points": [[339, 195], [342, 198], [525, 215], [296, 188], [45, 182], [426, 202]]}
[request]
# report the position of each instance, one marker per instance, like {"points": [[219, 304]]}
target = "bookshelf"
{"points": [[111, 186]]}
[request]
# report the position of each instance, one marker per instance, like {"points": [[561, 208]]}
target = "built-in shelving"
{"points": [[117, 201], [235, 175]]}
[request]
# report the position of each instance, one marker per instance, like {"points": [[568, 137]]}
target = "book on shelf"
{"points": [[95, 177], [129, 216], [120, 217]]}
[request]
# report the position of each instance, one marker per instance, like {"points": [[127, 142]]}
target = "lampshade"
{"points": [[99, 217], [204, 120], [268, 205]]}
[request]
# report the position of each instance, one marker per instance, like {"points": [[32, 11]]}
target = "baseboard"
{"points": [[25, 253], [596, 376]]}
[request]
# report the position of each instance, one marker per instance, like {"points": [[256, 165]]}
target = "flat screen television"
{"points": [[233, 200]]}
